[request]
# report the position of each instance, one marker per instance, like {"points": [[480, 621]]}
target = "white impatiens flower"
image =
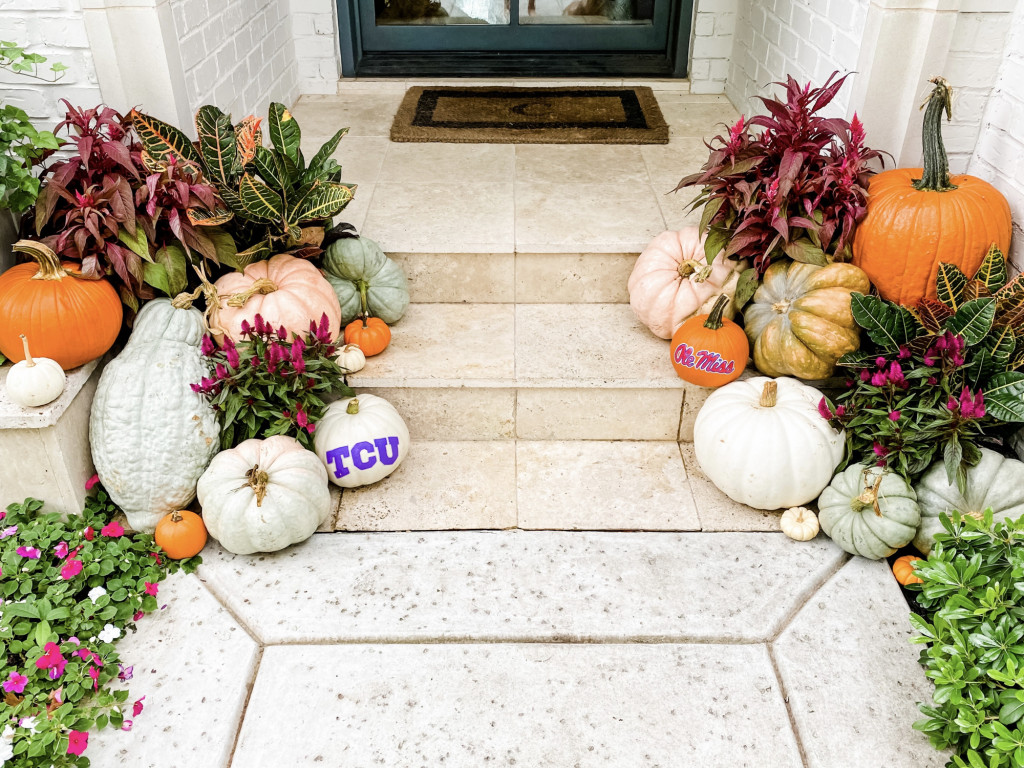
{"points": [[96, 593], [109, 634], [29, 723], [7, 744]]}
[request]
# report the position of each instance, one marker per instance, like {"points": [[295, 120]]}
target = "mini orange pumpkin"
{"points": [[709, 350], [181, 534], [371, 334], [903, 570]]}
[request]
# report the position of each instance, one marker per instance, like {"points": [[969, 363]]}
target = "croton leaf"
{"points": [[161, 139], [325, 152], [950, 284], [975, 289], [284, 131], [248, 137], [887, 324], [859, 358], [1004, 397], [217, 144], [992, 272], [973, 320], [321, 202], [260, 201], [268, 167], [991, 356], [1010, 303], [933, 314], [254, 253], [202, 217]]}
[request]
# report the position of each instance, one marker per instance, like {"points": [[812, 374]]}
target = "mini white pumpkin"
{"points": [[351, 358], [264, 495], [995, 483], [361, 440], [799, 523], [763, 443], [35, 381]]}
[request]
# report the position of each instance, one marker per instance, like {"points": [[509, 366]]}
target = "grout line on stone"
{"points": [[229, 610], [805, 596], [794, 729], [245, 705], [498, 640]]}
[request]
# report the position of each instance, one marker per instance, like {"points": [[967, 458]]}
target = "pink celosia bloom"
{"points": [[840, 411], [77, 742], [207, 346], [282, 333], [301, 418], [113, 529], [137, 707], [32, 553], [151, 589], [15, 683], [952, 404], [8, 531], [231, 354], [246, 328], [904, 353], [61, 550], [299, 365], [879, 449], [823, 409], [91, 482], [70, 569], [864, 375], [323, 331], [932, 381], [894, 415], [222, 372], [896, 375], [880, 362], [879, 379]]}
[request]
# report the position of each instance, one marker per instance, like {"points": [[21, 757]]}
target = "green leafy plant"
{"points": [[265, 386], [70, 588], [14, 58], [972, 592], [276, 203]]}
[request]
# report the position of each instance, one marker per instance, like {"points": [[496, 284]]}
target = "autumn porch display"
{"points": [[920, 217]]}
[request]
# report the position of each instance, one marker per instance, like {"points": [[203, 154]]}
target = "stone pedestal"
{"points": [[44, 452]]}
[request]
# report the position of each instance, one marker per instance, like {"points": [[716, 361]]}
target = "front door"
{"points": [[515, 37]]}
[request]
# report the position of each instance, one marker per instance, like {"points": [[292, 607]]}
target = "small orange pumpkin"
{"points": [[181, 534], [709, 350], [371, 334], [903, 570]]}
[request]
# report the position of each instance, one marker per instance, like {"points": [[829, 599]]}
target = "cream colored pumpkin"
{"points": [[672, 281], [995, 483], [35, 381], [800, 322], [763, 443], [284, 291], [350, 358], [264, 495], [799, 523]]}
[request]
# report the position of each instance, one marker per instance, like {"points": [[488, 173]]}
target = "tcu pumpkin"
{"points": [[918, 217], [763, 443], [151, 435], [284, 291], [671, 281], [361, 440], [708, 350]]}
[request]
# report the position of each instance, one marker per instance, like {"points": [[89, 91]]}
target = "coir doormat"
{"points": [[500, 115]]}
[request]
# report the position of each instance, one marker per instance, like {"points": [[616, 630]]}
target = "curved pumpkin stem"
{"points": [[258, 480], [714, 321], [263, 285], [49, 263], [29, 362], [936, 165], [869, 498], [364, 307]]}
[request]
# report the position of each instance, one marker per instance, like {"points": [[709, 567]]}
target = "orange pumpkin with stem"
{"points": [[70, 319], [181, 534], [918, 218], [903, 570], [709, 350], [370, 334]]}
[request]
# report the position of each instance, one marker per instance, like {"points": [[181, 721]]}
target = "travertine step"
{"points": [[533, 372]]}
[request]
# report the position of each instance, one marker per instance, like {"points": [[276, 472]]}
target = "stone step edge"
{"points": [[461, 383]]}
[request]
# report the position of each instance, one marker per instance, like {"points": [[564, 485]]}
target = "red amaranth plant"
{"points": [[791, 183]]}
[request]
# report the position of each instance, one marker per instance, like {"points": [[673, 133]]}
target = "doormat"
{"points": [[499, 115]]}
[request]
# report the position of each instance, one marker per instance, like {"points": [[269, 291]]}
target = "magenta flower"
{"points": [[32, 553], [94, 673], [137, 707], [298, 347], [151, 589], [91, 482], [282, 333], [8, 531], [138, 615], [880, 362], [904, 353], [61, 550], [246, 328], [113, 529], [894, 415], [823, 409], [932, 381], [864, 375], [840, 411], [896, 376], [323, 332], [879, 379], [2, 514], [301, 417], [231, 354], [222, 372], [879, 449], [971, 406], [77, 742], [15, 683], [207, 347], [89, 533], [125, 673], [70, 569], [259, 324], [126, 725], [53, 660]]}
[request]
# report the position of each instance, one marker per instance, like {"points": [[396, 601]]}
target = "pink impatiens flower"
{"points": [[32, 553], [71, 568], [137, 707], [77, 742], [151, 589], [113, 529], [89, 533], [91, 482], [10, 531], [53, 660], [15, 683], [61, 550]]}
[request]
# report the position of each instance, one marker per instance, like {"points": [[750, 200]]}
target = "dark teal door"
{"points": [[514, 37]]}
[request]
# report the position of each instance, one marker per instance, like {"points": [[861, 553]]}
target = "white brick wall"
{"points": [[808, 39], [714, 22], [315, 32], [55, 29], [999, 154], [237, 54]]}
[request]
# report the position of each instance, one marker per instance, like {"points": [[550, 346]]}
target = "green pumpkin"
{"points": [[995, 483], [360, 272], [869, 511]]}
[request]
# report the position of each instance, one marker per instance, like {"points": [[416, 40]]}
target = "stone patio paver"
{"points": [[717, 512], [194, 665], [521, 585], [467, 706], [852, 675]]}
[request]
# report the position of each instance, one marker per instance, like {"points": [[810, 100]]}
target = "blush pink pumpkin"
{"points": [[672, 282], [284, 290]]}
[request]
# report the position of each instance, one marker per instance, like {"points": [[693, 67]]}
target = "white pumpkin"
{"points": [[995, 483], [799, 524], [264, 495], [763, 443], [351, 358], [151, 435], [672, 281], [35, 381], [361, 440]]}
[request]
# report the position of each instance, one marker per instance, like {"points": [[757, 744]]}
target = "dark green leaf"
{"points": [[887, 324], [992, 272], [1004, 397], [217, 144], [973, 320], [260, 201], [325, 151], [950, 284], [268, 167], [715, 243], [322, 201], [284, 131], [712, 208], [746, 285]]}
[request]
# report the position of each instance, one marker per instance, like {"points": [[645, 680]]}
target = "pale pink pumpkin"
{"points": [[284, 290], [672, 281]]}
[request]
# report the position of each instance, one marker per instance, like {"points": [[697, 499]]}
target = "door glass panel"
{"points": [[633, 12], [441, 12]]}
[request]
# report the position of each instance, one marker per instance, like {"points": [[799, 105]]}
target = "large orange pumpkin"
{"points": [[710, 350], [69, 319], [918, 218]]}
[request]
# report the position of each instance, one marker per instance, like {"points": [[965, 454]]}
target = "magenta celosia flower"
{"points": [[879, 449], [904, 353], [972, 406], [323, 331], [894, 415], [879, 379], [222, 372], [32, 553], [77, 742], [260, 326], [246, 328], [70, 569], [207, 346], [840, 411], [896, 376], [282, 333], [932, 381], [151, 589], [953, 404], [231, 355], [61, 550], [113, 529], [15, 683], [824, 410], [880, 362], [301, 417]]}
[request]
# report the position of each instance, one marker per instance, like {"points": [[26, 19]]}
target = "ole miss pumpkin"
{"points": [[709, 350]]}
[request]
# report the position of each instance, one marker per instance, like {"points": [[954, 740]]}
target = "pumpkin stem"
{"points": [[936, 165], [29, 362], [49, 264], [363, 304], [770, 394], [185, 300], [714, 321], [258, 480], [869, 498], [782, 307], [353, 406], [176, 516], [700, 271], [263, 285]]}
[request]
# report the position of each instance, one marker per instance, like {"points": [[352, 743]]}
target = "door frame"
{"points": [[673, 62]]}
